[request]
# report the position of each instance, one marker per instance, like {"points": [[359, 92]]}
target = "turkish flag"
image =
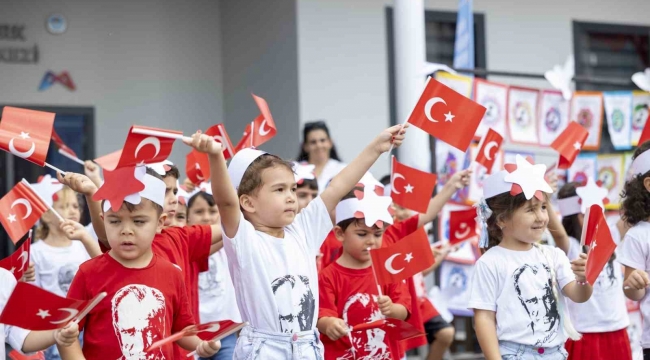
{"points": [[194, 167], [396, 330], [260, 130], [488, 149], [15, 355], [20, 209], [197, 166], [211, 331], [26, 133], [569, 143], [403, 259], [218, 132], [462, 225], [61, 145], [140, 149], [447, 115], [33, 308], [645, 134], [590, 223], [411, 188], [601, 246], [18, 262]]}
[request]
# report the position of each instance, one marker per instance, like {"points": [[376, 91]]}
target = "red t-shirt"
{"points": [[331, 250], [394, 233], [351, 295], [142, 306]]}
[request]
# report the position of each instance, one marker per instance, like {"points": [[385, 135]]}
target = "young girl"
{"points": [[515, 287], [634, 252], [216, 292], [603, 319]]}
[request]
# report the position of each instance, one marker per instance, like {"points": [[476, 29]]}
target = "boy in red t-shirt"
{"points": [[147, 299], [349, 293]]}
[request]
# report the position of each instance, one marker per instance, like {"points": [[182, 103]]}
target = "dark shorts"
{"points": [[434, 325]]}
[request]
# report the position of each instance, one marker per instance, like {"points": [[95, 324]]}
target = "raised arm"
{"points": [[342, 183], [557, 230], [458, 181]]}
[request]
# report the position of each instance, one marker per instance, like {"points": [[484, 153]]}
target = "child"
{"points": [[602, 319], [27, 341], [216, 292], [348, 292], [307, 185], [180, 218], [271, 247], [634, 252], [146, 300], [513, 290]]}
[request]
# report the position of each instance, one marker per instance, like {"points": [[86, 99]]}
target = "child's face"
{"points": [[67, 205], [180, 219], [528, 222], [274, 205], [305, 196], [130, 233], [201, 213], [171, 201], [401, 213], [357, 238]]}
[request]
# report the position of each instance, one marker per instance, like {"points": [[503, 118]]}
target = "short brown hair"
{"points": [[173, 172], [311, 184], [252, 179], [503, 207]]}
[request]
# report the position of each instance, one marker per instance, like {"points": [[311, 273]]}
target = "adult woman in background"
{"points": [[317, 149]]}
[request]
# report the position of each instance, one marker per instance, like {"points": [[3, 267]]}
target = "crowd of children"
{"points": [[265, 243]]}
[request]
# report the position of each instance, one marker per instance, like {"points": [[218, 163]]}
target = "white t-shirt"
{"points": [[330, 170], [14, 336], [518, 286], [634, 252], [56, 266], [216, 293], [275, 280], [605, 310]]}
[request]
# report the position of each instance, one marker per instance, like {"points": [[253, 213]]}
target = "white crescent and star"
{"points": [[464, 233], [72, 313], [487, 150], [213, 328], [429, 105], [26, 204], [11, 218], [408, 188], [24, 255], [22, 154], [264, 130], [389, 264], [151, 140]]}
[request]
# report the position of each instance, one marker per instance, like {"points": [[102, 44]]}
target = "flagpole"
{"points": [[44, 202], [55, 169], [71, 157], [161, 134], [404, 123], [252, 131], [374, 273], [90, 306]]}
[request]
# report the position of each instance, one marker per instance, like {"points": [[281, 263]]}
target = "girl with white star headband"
{"points": [[515, 287]]}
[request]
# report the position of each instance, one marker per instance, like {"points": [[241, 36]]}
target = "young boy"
{"points": [[307, 185], [147, 300], [349, 295], [271, 246]]}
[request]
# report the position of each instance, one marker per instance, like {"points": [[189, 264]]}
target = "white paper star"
{"points": [[43, 313], [375, 207], [529, 177], [159, 167], [369, 181], [409, 188], [408, 257], [24, 135], [46, 188], [591, 194], [449, 117], [304, 171], [577, 145], [11, 218]]}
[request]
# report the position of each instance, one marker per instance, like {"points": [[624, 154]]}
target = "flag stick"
{"points": [[44, 202], [161, 134], [404, 123], [372, 265], [55, 169], [71, 157], [90, 306], [252, 132], [226, 334]]}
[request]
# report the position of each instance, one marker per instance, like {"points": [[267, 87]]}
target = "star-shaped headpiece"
{"points": [[46, 188], [524, 176], [374, 209], [590, 194], [162, 167], [369, 181], [641, 164], [129, 184], [303, 172]]}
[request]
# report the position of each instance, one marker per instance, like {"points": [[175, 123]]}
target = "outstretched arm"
{"points": [[458, 181], [342, 183]]}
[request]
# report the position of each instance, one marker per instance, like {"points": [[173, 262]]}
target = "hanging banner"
{"points": [[553, 116], [450, 160], [464, 45], [587, 110], [618, 109], [494, 97], [459, 83], [454, 280], [640, 104], [611, 173], [583, 168], [522, 115]]}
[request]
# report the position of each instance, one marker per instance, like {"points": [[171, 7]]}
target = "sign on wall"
{"points": [[13, 54]]}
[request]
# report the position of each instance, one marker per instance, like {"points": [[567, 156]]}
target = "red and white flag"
{"points": [[26, 133], [218, 132], [488, 149], [447, 115], [411, 188], [211, 331], [61, 145], [396, 330], [462, 225], [197, 166], [261, 130], [20, 209], [589, 224], [194, 168], [140, 149], [33, 308], [601, 244], [18, 262], [403, 259], [645, 134], [569, 143]]}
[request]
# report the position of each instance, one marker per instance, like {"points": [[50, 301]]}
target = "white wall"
{"points": [[343, 57], [147, 62]]}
